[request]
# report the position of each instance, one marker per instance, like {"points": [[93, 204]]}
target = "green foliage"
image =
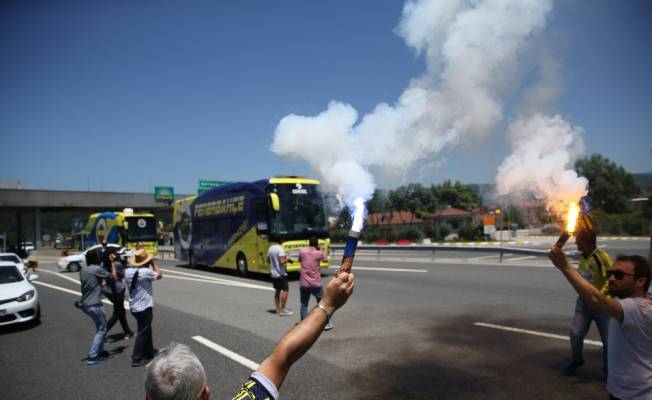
{"points": [[470, 231], [456, 194], [421, 200], [409, 233], [443, 231], [610, 186], [515, 215], [620, 224]]}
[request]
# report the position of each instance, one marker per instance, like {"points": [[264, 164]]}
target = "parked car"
{"points": [[75, 261], [18, 297], [13, 257]]}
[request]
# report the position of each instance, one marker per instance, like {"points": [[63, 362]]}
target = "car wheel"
{"points": [[74, 267], [241, 264], [37, 319]]}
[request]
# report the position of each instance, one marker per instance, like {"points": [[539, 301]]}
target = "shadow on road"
{"points": [[462, 361]]}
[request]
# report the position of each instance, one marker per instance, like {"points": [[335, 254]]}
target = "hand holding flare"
{"points": [[571, 222]]}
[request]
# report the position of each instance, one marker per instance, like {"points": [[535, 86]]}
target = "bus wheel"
{"points": [[241, 264], [191, 260]]}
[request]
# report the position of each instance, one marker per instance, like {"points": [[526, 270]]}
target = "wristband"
{"points": [[328, 317]]}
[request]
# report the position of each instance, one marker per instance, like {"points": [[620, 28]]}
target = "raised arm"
{"points": [[157, 269], [591, 296], [296, 342]]}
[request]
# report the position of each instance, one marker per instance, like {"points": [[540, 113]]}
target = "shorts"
{"points": [[280, 283]]}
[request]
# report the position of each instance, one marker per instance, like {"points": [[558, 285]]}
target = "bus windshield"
{"points": [[302, 211], [141, 229]]}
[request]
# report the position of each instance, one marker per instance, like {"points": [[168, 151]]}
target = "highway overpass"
{"points": [[50, 200]]}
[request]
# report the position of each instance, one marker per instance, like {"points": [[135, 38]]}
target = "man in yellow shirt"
{"points": [[593, 266]]}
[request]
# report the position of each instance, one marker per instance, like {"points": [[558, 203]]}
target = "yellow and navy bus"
{"points": [[124, 228], [232, 226]]}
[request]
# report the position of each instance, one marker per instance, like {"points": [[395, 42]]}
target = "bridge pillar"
{"points": [[19, 232], [37, 229]]}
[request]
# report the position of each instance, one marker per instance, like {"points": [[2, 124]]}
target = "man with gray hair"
{"points": [[176, 373]]}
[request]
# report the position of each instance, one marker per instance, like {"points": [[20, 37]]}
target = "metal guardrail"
{"points": [[432, 249], [168, 254]]}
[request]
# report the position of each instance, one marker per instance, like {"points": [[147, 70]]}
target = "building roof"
{"points": [[393, 218]]}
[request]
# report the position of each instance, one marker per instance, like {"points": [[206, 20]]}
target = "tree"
{"points": [[456, 195], [379, 203], [610, 185]]}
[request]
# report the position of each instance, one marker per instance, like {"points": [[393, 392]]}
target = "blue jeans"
{"points": [[581, 322], [304, 295], [96, 313]]}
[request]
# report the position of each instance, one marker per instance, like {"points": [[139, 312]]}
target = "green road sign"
{"points": [[207, 185], [164, 193]]}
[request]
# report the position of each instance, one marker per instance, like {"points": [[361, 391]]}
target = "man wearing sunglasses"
{"points": [[630, 326]]}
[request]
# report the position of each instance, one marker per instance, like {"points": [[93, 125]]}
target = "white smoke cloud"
{"points": [[543, 151], [470, 46]]}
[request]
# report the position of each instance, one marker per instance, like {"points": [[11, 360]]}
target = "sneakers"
{"points": [[572, 367], [328, 327], [100, 358], [285, 313], [128, 335]]}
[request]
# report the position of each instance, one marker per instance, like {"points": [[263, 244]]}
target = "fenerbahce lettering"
{"points": [[233, 205]]}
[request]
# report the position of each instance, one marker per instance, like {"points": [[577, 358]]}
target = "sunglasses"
{"points": [[618, 273]]}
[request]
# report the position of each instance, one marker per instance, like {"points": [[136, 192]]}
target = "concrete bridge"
{"points": [[22, 200]]}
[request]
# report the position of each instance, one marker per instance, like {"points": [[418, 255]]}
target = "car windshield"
{"points": [[301, 211], [141, 229], [10, 258], [9, 274]]}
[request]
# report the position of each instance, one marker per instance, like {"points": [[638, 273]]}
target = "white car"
{"points": [[18, 297], [13, 257], [75, 261]]}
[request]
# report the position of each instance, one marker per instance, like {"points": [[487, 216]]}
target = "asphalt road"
{"points": [[412, 330]]}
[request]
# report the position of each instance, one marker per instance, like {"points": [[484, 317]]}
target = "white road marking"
{"points": [[228, 353], [204, 278], [383, 269], [68, 291], [521, 258], [244, 285], [61, 276], [534, 333], [482, 258]]}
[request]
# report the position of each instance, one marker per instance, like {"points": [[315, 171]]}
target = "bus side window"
{"points": [[261, 216]]}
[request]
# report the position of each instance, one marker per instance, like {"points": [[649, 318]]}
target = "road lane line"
{"points": [[218, 280], [243, 285], [521, 258], [61, 276], [222, 280], [228, 353], [62, 289], [482, 258], [384, 269], [534, 333]]}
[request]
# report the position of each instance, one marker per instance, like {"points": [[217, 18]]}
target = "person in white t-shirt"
{"points": [[277, 260], [630, 326]]}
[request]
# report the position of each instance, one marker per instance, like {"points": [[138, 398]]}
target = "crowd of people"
{"points": [[615, 295]]}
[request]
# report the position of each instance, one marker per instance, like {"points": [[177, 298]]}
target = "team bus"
{"points": [[232, 226], [124, 228]]}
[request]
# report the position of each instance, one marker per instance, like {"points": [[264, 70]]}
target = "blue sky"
{"points": [[124, 96]]}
